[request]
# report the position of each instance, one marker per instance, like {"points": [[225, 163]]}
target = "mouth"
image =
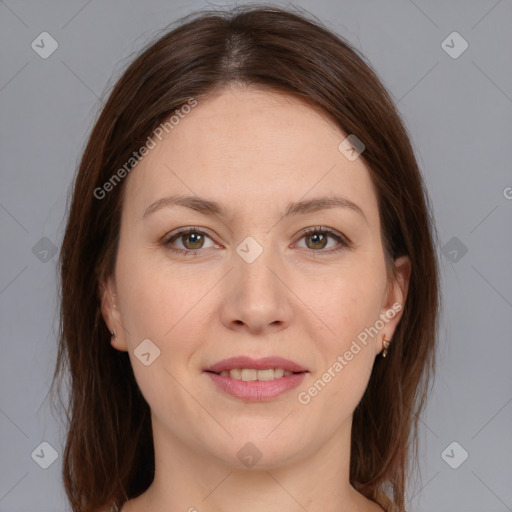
{"points": [[246, 366], [251, 374], [256, 379]]}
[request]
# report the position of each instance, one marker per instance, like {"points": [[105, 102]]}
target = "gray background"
{"points": [[458, 112]]}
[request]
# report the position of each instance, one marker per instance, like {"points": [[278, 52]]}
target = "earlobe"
{"points": [[110, 312], [394, 302], [385, 346]]}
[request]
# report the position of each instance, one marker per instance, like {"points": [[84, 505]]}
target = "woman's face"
{"points": [[252, 283]]}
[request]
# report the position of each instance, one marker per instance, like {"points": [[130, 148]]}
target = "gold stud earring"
{"points": [[385, 344]]}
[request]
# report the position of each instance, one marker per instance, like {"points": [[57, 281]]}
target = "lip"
{"points": [[256, 391], [257, 364]]}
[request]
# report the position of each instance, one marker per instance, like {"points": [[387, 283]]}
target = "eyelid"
{"points": [[333, 233], [324, 229], [339, 237], [184, 231]]}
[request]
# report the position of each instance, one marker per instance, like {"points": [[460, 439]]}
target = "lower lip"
{"points": [[255, 390]]}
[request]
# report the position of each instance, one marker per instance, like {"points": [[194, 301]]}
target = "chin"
{"points": [[260, 451]]}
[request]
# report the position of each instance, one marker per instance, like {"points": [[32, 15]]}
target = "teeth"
{"points": [[266, 374], [235, 374], [250, 374]]}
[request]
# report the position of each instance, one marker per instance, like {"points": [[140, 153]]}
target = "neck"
{"points": [[191, 480]]}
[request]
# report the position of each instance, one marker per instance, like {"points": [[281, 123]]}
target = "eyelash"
{"points": [[345, 243]]}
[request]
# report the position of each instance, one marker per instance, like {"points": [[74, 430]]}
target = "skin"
{"points": [[253, 151]]}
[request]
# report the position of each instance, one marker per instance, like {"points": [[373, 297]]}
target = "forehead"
{"points": [[249, 148]]}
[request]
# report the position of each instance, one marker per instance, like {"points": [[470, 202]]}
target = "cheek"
{"points": [[154, 300], [159, 307], [346, 389], [346, 302], [348, 305]]}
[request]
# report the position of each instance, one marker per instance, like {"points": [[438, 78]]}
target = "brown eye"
{"points": [[193, 240], [190, 239], [317, 239]]}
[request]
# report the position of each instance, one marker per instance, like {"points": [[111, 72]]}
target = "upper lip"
{"points": [[257, 364]]}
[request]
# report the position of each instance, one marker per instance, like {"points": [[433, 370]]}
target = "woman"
{"points": [[249, 279]]}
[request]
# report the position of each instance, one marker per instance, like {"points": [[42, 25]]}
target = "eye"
{"points": [[319, 239], [191, 238]]}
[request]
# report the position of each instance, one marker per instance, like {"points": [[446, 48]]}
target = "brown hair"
{"points": [[108, 456]]}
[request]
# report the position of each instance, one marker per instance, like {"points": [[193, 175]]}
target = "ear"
{"points": [[394, 301], [111, 314]]}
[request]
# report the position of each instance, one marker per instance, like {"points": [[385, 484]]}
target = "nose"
{"points": [[257, 299]]}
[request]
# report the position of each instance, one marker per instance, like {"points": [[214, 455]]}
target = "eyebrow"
{"points": [[208, 207]]}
